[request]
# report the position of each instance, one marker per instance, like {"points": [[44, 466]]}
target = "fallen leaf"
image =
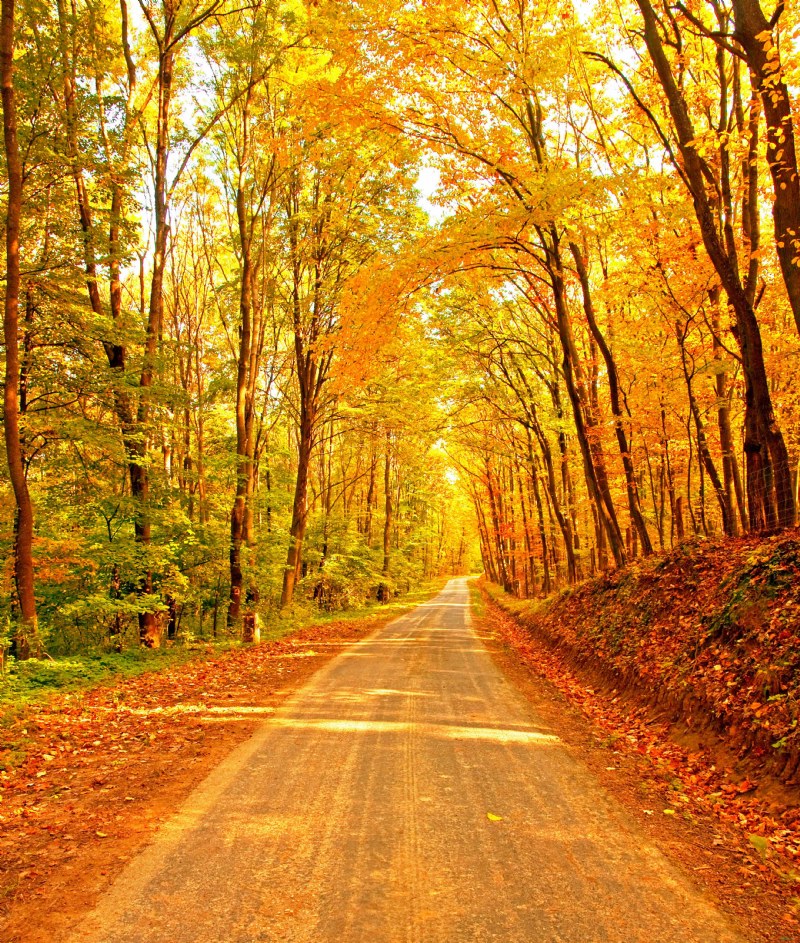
{"points": [[759, 843]]}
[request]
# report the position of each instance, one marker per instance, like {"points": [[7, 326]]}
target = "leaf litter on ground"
{"points": [[691, 782], [85, 776]]}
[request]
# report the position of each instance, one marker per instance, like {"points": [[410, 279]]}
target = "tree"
{"points": [[26, 635], [345, 196], [770, 495]]}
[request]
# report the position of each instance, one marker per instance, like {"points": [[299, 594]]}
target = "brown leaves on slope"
{"points": [[711, 630]]}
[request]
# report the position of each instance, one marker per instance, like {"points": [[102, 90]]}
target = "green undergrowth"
{"points": [[712, 628], [23, 684], [32, 680]]}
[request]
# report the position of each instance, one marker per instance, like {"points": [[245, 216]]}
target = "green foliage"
{"points": [[101, 405]]}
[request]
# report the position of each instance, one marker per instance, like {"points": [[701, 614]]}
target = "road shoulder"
{"points": [[712, 855]]}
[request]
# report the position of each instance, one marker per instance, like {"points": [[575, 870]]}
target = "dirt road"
{"points": [[405, 794]]}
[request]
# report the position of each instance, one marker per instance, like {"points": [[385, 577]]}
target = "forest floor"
{"points": [[87, 776], [408, 785]]}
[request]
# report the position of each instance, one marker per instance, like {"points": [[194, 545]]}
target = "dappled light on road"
{"points": [[406, 794], [445, 731]]}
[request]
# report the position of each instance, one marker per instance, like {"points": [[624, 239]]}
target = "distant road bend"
{"points": [[407, 793]]}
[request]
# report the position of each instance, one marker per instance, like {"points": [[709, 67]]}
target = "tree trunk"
{"points": [[497, 525], [383, 591], [529, 571], [25, 637], [563, 521], [487, 555], [388, 510], [705, 459], [512, 530], [373, 465], [594, 467], [547, 584], [754, 33], [244, 402], [133, 433], [734, 493], [297, 532], [634, 505], [149, 629], [769, 485]]}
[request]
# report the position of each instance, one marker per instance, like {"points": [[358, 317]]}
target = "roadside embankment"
{"points": [[709, 634]]}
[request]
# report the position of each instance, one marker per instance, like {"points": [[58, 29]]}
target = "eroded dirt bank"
{"points": [[710, 633]]}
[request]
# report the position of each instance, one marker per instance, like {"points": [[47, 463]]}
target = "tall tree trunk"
{"points": [[133, 436], [547, 583], [591, 446], [249, 355], [487, 554], [497, 526], [297, 532], [388, 514], [734, 493], [312, 369], [25, 633], [769, 482], [634, 505], [244, 403], [373, 466], [705, 459], [754, 33], [149, 628], [529, 570], [508, 489], [594, 467], [564, 523]]}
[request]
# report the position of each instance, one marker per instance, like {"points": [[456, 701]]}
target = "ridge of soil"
{"points": [[709, 632]]}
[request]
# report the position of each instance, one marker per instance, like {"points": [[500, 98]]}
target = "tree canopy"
{"points": [[306, 301]]}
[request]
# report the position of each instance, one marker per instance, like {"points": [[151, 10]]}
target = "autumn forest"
{"points": [[308, 302]]}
